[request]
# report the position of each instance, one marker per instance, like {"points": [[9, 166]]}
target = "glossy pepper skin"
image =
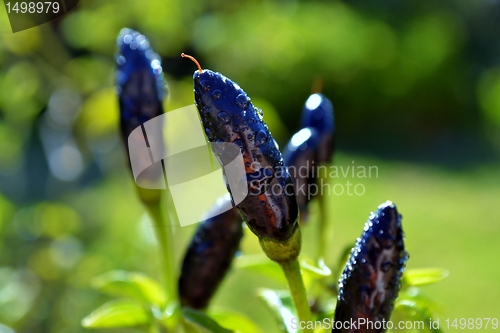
{"points": [[140, 83], [371, 279], [209, 255], [318, 114], [300, 156], [228, 115]]}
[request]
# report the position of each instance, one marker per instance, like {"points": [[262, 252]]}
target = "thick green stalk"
{"points": [[164, 235], [298, 291], [323, 236], [286, 254], [323, 225]]}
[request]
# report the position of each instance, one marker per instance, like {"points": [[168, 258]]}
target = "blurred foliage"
{"points": [[407, 79]]}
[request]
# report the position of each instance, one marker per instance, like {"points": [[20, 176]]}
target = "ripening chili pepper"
{"points": [[300, 156], [140, 83], [371, 279], [318, 114], [228, 115], [141, 90], [210, 254]]}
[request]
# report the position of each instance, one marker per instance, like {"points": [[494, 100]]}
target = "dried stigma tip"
{"points": [[317, 86], [194, 60]]}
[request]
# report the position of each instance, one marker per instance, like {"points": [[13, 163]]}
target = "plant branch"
{"points": [[164, 235], [298, 291]]}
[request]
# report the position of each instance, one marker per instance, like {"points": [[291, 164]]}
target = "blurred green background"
{"points": [[416, 91]]}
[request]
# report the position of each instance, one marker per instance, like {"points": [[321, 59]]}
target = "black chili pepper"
{"points": [[371, 279], [209, 255], [318, 114], [141, 90], [140, 83], [301, 156], [228, 115]]}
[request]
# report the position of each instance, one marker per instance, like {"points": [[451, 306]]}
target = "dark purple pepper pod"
{"points": [[210, 254], [140, 82], [300, 156], [228, 115], [141, 90], [371, 279], [318, 114]]}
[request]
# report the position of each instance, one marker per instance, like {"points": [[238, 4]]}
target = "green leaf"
{"points": [[413, 294], [119, 313], [312, 272], [234, 320], [201, 322], [130, 284], [344, 256], [260, 263], [169, 317], [410, 311], [318, 271], [423, 276], [281, 304]]}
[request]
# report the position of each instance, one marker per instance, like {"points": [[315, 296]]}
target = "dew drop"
{"points": [[242, 101], [248, 164], [210, 135], [239, 143], [260, 138], [205, 85], [263, 203], [206, 109], [127, 39], [223, 117], [260, 113], [121, 60], [216, 94]]}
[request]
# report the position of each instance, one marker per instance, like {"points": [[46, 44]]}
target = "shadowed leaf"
{"points": [[200, 322], [130, 284], [120, 313], [281, 304], [423, 276]]}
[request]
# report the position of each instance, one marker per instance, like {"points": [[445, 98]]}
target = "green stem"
{"points": [[323, 227], [154, 328], [163, 231], [293, 275]]}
